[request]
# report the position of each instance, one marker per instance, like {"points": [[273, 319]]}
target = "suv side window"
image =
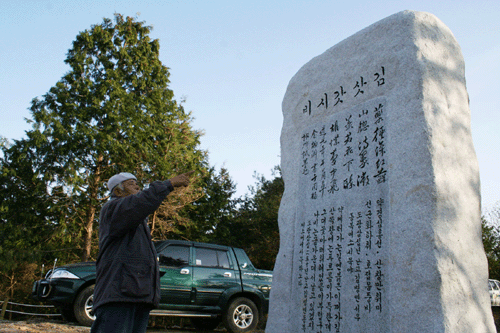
{"points": [[211, 258], [223, 259], [174, 256]]}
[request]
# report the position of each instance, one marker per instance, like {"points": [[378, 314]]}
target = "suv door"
{"points": [[258, 279], [213, 273], [176, 276]]}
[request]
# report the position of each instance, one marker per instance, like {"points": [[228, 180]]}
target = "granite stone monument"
{"points": [[380, 226]]}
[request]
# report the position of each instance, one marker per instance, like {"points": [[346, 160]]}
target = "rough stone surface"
{"points": [[380, 220]]}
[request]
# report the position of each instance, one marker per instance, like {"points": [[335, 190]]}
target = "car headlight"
{"points": [[63, 274]]}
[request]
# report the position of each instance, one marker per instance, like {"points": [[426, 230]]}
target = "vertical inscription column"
{"points": [[340, 247]]}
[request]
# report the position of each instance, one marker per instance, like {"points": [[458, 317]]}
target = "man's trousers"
{"points": [[121, 318]]}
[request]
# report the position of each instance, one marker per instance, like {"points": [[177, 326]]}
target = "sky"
{"points": [[231, 62]]}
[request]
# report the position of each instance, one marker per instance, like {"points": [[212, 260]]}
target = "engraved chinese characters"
{"points": [[341, 149], [340, 243]]}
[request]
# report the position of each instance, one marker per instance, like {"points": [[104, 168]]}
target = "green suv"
{"points": [[208, 283]]}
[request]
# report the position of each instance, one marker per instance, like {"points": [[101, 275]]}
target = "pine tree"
{"points": [[491, 242], [112, 112]]}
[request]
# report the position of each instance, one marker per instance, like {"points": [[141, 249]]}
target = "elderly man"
{"points": [[128, 282]]}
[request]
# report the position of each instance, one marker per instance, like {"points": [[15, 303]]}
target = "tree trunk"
{"points": [[90, 214], [87, 240], [153, 220]]}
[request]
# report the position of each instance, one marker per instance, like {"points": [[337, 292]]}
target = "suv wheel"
{"points": [[83, 306], [242, 316]]}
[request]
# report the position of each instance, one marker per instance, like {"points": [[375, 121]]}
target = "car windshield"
{"points": [[493, 285]]}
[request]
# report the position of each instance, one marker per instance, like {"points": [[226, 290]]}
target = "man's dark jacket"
{"points": [[127, 268]]}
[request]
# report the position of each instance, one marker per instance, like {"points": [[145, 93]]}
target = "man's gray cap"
{"points": [[118, 179]]}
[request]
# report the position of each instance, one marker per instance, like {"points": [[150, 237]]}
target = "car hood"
{"points": [[78, 265]]}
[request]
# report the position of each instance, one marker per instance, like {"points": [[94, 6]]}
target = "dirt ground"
{"points": [[39, 326], [53, 326]]}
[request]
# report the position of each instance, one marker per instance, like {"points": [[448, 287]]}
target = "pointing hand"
{"points": [[181, 180]]}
